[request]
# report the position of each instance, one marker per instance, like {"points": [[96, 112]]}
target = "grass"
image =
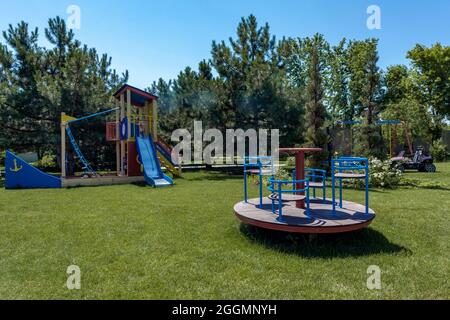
{"points": [[134, 242]]}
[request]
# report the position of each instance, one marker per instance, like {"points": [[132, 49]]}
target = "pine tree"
{"points": [[39, 83], [365, 95], [316, 135]]}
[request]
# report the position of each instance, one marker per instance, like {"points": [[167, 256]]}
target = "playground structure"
{"points": [[140, 153], [289, 206]]}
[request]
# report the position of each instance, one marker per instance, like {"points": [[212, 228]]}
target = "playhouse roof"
{"points": [[138, 97]]}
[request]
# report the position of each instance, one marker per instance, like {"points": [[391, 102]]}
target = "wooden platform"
{"points": [[322, 220], [99, 181]]}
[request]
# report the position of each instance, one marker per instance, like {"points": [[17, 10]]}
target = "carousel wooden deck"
{"points": [[322, 220]]}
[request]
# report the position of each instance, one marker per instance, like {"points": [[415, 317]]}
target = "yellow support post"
{"points": [[154, 112], [63, 145]]}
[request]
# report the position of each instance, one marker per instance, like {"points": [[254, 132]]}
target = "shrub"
{"points": [[2, 158], [48, 162], [290, 162], [282, 174], [439, 151], [382, 174]]}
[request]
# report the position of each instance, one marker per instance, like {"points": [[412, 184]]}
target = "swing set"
{"points": [[389, 129]]}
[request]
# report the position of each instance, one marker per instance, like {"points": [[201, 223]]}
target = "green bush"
{"points": [[290, 162], [2, 158], [48, 162], [282, 174], [382, 174], [439, 151]]}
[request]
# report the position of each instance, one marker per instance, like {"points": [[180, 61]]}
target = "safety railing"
{"points": [[315, 176], [260, 166], [340, 168], [276, 187]]}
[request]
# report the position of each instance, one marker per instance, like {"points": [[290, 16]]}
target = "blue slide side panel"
{"points": [[21, 175], [166, 155], [152, 168]]}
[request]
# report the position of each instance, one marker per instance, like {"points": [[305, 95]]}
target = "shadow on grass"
{"points": [[2, 183], [441, 188], [208, 177], [354, 244], [215, 176], [426, 187]]}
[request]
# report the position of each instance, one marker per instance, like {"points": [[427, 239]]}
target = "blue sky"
{"points": [[155, 39]]}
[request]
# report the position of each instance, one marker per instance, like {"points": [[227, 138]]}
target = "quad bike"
{"points": [[421, 162]]}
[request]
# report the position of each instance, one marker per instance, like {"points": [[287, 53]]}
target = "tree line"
{"points": [[302, 86], [38, 83]]}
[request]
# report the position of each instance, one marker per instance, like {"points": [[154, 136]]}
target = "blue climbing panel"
{"points": [[20, 174], [86, 165]]}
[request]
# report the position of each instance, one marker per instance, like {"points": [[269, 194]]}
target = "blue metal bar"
{"points": [[290, 191], [92, 115], [280, 203], [354, 159], [288, 181], [257, 157], [340, 193], [333, 185], [294, 176], [245, 185], [273, 200], [379, 122], [367, 187], [260, 188]]}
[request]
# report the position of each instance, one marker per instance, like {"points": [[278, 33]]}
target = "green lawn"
{"points": [[185, 243]]}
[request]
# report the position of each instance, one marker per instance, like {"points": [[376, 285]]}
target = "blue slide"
{"points": [[152, 168]]}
